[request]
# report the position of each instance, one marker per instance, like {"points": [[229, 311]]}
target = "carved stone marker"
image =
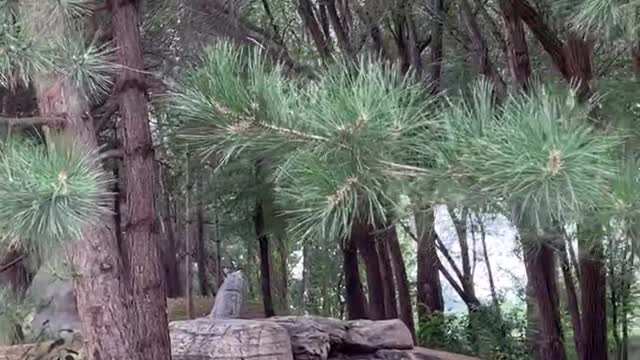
{"points": [[230, 339], [229, 301]]}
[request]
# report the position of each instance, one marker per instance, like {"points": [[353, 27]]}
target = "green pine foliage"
{"points": [[50, 194]]}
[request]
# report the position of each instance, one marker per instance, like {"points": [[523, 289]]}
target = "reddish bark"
{"points": [[364, 240], [540, 267], [141, 231], [386, 273], [355, 299]]}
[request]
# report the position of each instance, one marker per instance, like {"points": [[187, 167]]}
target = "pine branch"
{"points": [[54, 122], [11, 264]]}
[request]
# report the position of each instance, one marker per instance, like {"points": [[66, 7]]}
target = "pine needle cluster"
{"points": [[347, 146]]}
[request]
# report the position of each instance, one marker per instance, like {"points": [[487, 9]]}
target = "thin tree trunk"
{"points": [[540, 266], [572, 299], [405, 309], [265, 268], [322, 44], [366, 247], [141, 231], [386, 273], [487, 262], [429, 289], [219, 274], [201, 255], [188, 281], [172, 272], [435, 67], [304, 297], [355, 299]]}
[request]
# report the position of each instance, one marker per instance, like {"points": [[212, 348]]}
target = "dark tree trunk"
{"points": [[405, 309], [429, 289], [364, 239], [386, 273], [265, 268], [171, 270], [533, 322], [201, 249], [572, 297], [479, 54], [355, 299], [593, 286], [188, 237], [517, 50], [14, 271], [141, 230], [540, 266], [322, 44], [435, 67]]}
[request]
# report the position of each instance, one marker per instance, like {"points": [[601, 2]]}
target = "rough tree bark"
{"points": [[435, 67], [355, 299], [101, 292], [201, 249], [541, 272], [429, 289], [405, 310], [171, 270], [364, 240], [141, 230], [386, 273]]}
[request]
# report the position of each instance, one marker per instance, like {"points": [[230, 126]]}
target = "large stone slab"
{"points": [[229, 339], [369, 336], [313, 338]]}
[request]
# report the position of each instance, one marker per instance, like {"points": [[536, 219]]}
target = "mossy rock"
{"points": [[202, 305]]}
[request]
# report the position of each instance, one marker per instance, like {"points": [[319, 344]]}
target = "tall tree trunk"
{"points": [[435, 67], [102, 294], [265, 268], [593, 285], [141, 231], [572, 297], [188, 268], [171, 270], [386, 273], [487, 261], [364, 239], [540, 266], [201, 248], [405, 309], [533, 322], [429, 289], [355, 299]]}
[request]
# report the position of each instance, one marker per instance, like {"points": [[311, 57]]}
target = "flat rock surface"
{"points": [[367, 335], [207, 339]]}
